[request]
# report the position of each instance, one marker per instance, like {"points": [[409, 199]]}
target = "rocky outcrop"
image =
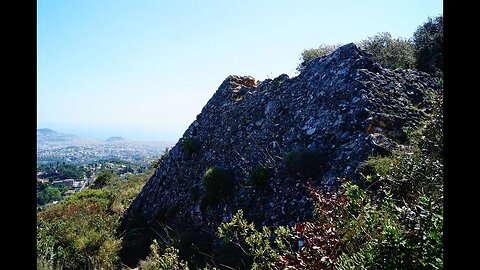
{"points": [[343, 106]]}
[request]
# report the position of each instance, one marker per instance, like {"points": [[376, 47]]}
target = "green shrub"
{"points": [[167, 261], [261, 246], [428, 42], [408, 173], [103, 179], [50, 194], [46, 245], [390, 52], [104, 198], [82, 234], [79, 232], [390, 234], [381, 165], [306, 163], [127, 189], [218, 183], [191, 146], [399, 225], [372, 234], [260, 176]]}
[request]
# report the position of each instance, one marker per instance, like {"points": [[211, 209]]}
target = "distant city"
{"points": [[54, 147], [66, 163]]}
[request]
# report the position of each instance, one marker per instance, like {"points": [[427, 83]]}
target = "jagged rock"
{"points": [[342, 105]]}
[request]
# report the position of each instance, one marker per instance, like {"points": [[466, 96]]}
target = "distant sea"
{"points": [[128, 132]]}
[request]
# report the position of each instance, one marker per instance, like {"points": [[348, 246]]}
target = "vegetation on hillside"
{"points": [[218, 184], [428, 43], [103, 179], [47, 194], [191, 146], [79, 232], [168, 260], [424, 50], [61, 171], [393, 219], [390, 52]]}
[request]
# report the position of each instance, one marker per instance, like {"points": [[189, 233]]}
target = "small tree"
{"points": [[428, 43], [49, 194], [390, 52], [103, 179]]}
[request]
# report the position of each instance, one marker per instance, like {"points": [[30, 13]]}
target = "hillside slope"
{"points": [[339, 110]]}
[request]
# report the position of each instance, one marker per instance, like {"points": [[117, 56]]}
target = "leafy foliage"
{"points": [[428, 40], [102, 197], [49, 194], [62, 171], [423, 51], [371, 233], [317, 243], [254, 243], [79, 232], [78, 235], [103, 179], [191, 145], [398, 223], [46, 243], [259, 176], [167, 261], [390, 52], [218, 183], [126, 190]]}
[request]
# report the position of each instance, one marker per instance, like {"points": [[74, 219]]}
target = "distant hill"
{"points": [[48, 135], [115, 139], [46, 131]]}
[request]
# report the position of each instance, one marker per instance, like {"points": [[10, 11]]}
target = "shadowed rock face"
{"points": [[343, 106]]}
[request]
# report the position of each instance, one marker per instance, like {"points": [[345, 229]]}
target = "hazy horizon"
{"points": [[103, 132], [144, 70]]}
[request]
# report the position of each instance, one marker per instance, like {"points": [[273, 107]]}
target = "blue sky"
{"points": [[144, 69]]}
